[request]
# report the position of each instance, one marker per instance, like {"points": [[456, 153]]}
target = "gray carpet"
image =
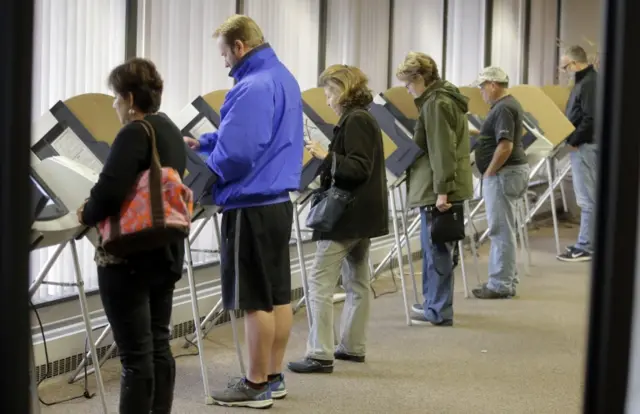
{"points": [[517, 356]]}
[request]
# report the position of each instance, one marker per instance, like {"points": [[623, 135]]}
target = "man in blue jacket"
{"points": [[257, 155]]}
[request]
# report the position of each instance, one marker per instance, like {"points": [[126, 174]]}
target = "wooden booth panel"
{"points": [[477, 105], [554, 124], [96, 113], [559, 95], [401, 99], [215, 99]]}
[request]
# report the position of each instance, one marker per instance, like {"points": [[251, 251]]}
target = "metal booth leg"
{"points": [[396, 233], [87, 323], [552, 199], [405, 230], [302, 263], [77, 374], [413, 227], [196, 322], [472, 241]]}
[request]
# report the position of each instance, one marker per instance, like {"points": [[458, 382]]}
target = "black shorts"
{"points": [[254, 253]]}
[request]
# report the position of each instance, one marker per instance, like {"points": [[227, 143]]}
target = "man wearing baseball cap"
{"points": [[501, 160]]}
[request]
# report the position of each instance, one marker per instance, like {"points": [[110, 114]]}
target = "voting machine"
{"points": [[83, 128]]}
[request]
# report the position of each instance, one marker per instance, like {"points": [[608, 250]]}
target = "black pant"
{"points": [[138, 306]]}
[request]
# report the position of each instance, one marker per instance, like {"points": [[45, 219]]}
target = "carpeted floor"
{"points": [[517, 356]]}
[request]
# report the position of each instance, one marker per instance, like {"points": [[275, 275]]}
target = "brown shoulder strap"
{"points": [[155, 176]]}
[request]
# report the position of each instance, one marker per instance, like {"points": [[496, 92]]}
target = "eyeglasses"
{"points": [[564, 67]]}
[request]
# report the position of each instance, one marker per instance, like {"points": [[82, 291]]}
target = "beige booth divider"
{"points": [[477, 105], [96, 113], [554, 124], [317, 101], [401, 99], [215, 99], [559, 95]]}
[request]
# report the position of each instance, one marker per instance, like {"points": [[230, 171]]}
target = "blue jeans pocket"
{"points": [[514, 182]]}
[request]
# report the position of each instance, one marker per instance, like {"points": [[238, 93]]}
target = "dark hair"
{"points": [[140, 78]]}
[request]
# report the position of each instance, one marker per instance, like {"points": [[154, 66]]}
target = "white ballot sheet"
{"points": [[313, 133], [69, 145], [202, 127]]}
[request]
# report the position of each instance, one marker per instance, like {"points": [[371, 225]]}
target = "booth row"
{"points": [[71, 142]]}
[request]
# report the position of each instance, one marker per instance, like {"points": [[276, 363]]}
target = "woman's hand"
{"points": [[442, 203], [80, 211], [316, 150]]}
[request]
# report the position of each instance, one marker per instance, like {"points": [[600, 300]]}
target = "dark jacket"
{"points": [[581, 107], [130, 155], [360, 169], [442, 132]]}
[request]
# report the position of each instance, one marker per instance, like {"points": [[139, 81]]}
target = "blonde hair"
{"points": [[242, 28], [350, 83], [418, 65]]}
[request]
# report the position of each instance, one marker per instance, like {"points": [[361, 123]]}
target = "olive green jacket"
{"points": [[442, 132]]}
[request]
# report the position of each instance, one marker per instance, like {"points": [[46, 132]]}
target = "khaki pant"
{"points": [[356, 279]]}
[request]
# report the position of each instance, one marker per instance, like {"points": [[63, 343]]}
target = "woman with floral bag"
{"points": [[138, 264]]}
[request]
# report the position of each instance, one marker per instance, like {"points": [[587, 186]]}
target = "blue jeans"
{"points": [[437, 274], [501, 192], [584, 163]]}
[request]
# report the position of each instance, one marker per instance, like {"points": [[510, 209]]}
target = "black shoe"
{"points": [[575, 255], [483, 292], [343, 356], [311, 366]]}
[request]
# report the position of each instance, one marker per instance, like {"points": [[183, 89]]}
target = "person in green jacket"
{"points": [[437, 179]]}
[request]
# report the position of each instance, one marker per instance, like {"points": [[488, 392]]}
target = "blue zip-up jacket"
{"points": [[257, 150]]}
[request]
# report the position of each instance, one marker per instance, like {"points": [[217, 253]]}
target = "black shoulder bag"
{"points": [[328, 206], [448, 226]]}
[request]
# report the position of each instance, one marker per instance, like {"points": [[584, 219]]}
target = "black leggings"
{"points": [[138, 306]]}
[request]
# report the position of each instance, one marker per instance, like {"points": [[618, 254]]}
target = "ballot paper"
{"points": [[69, 145], [313, 133], [203, 127]]}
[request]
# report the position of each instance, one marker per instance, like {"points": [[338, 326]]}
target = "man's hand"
{"points": [[473, 132], [572, 148], [442, 203], [488, 174], [316, 149], [192, 143]]}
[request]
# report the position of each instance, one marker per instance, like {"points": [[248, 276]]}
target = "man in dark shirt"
{"points": [[584, 151], [501, 160]]}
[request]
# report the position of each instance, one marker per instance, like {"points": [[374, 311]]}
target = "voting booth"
{"points": [[401, 104], [551, 131], [559, 94], [59, 186], [82, 129], [478, 111], [546, 129]]}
